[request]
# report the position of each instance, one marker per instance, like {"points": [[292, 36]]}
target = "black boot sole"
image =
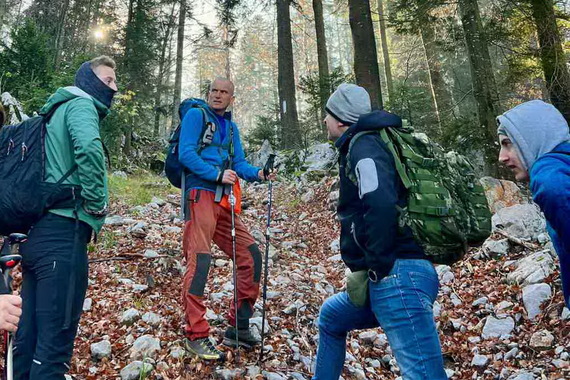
{"points": [[232, 343]]}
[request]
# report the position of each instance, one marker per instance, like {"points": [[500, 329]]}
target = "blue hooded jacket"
{"points": [[206, 167], [540, 133]]}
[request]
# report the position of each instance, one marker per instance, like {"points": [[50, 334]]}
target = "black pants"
{"points": [[54, 264]]}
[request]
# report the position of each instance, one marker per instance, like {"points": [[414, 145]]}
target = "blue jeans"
{"points": [[400, 303]]}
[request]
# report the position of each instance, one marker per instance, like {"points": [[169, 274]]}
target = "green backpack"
{"points": [[447, 209]]}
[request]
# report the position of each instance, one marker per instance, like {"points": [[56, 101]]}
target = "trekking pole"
{"points": [[9, 259], [233, 212], [266, 171]]}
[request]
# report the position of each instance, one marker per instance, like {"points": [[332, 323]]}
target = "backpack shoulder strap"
{"points": [[400, 168], [348, 166], [203, 144]]}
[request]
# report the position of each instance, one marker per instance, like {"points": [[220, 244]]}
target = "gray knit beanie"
{"points": [[348, 103]]}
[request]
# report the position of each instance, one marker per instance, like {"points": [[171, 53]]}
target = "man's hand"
{"points": [[271, 176], [10, 312], [230, 177]]}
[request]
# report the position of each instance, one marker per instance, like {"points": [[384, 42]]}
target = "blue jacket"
{"points": [[205, 168], [550, 187], [370, 237]]}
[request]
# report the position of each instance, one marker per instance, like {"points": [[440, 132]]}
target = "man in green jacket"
{"points": [[55, 265]]}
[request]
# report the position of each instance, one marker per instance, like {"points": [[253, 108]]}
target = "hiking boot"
{"points": [[204, 349], [245, 337]]}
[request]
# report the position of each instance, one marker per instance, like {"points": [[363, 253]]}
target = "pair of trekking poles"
{"points": [[267, 170], [9, 258]]}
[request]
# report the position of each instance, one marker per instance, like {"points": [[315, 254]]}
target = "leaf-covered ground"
{"points": [[304, 272]]}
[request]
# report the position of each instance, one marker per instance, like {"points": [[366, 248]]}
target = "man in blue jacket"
{"points": [[402, 283], [215, 159], [535, 145]]}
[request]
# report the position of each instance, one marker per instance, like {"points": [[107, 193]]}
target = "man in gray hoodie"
{"points": [[535, 145]]}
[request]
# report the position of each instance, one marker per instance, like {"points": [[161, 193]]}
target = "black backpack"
{"points": [[173, 169], [24, 195]]}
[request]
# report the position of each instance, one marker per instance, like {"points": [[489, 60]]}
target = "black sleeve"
{"points": [[378, 184]]}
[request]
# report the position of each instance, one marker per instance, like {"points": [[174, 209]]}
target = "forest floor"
{"points": [[137, 263]]}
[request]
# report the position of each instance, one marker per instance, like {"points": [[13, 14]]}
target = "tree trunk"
{"points": [[3, 10], [179, 60], [291, 138], [552, 56], [365, 57], [60, 33], [442, 99], [322, 56], [385, 51], [161, 70], [484, 86]]}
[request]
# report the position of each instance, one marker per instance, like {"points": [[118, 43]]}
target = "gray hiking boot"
{"points": [[204, 349], [245, 337]]}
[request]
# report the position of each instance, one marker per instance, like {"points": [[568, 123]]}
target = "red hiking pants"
{"points": [[208, 222]]}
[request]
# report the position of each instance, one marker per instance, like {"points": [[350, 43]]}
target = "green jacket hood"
{"points": [[64, 94]]}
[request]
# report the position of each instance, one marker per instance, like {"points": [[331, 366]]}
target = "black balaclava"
{"points": [[89, 82]]}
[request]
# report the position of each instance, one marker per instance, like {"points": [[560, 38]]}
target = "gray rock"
{"points": [[139, 229], [359, 374], [512, 353], [119, 174], [139, 288], [335, 247], [436, 309], [101, 350], [455, 300], [480, 301], [160, 202], [495, 328], [532, 269], [298, 376], [177, 352], [87, 304], [114, 220], [474, 339], [445, 274], [447, 278], [292, 308], [479, 361], [542, 340], [221, 263], [172, 230], [253, 371], [503, 305], [260, 157], [273, 376], [229, 374], [496, 248], [308, 196], [320, 157], [534, 296], [524, 221], [565, 314], [152, 318], [336, 258], [258, 235], [130, 316], [146, 346], [136, 370], [368, 337], [524, 376], [150, 254], [560, 364]]}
